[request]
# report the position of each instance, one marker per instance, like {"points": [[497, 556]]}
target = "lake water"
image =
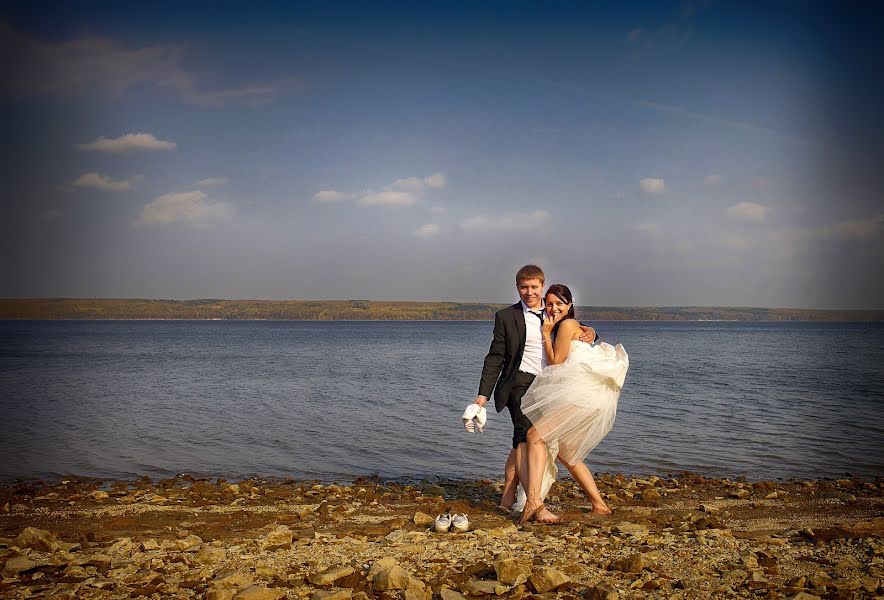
{"points": [[333, 400]]}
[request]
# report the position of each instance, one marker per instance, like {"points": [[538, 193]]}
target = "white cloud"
{"points": [[329, 196], [128, 142], [402, 192], [437, 210], [418, 184], [507, 222], [100, 65], [859, 229], [428, 230], [104, 182], [388, 198], [435, 181], [413, 184], [749, 211], [651, 185], [713, 179], [211, 182], [190, 207]]}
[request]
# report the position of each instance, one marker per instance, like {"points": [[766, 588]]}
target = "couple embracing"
{"points": [[560, 388]]}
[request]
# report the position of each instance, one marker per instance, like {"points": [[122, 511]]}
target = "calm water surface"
{"points": [[332, 400]]}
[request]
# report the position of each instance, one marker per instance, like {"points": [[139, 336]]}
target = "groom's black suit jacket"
{"points": [[504, 356]]}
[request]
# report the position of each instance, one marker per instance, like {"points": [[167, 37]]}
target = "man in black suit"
{"points": [[515, 357]]}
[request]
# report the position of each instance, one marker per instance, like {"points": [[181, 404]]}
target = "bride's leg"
{"points": [[581, 474], [537, 453]]}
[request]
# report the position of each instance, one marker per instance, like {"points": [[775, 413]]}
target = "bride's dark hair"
{"points": [[563, 293]]}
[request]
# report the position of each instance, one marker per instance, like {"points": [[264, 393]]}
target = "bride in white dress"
{"points": [[571, 404]]}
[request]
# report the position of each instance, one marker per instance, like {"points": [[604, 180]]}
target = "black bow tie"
{"points": [[536, 313]]}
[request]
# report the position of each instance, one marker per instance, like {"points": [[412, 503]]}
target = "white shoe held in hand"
{"points": [[474, 415], [460, 523], [443, 523]]}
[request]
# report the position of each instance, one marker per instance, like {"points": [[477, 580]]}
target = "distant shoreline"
{"points": [[488, 320], [53, 309]]}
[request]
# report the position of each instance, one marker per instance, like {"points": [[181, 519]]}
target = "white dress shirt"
{"points": [[534, 357]]}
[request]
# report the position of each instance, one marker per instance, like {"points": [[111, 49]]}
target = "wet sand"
{"points": [[684, 536]]}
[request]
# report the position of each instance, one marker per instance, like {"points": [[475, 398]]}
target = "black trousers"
{"points": [[521, 424]]}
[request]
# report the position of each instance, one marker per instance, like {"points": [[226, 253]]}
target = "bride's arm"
{"points": [[557, 352]]}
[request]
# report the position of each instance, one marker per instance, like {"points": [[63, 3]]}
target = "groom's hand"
{"points": [[587, 334]]}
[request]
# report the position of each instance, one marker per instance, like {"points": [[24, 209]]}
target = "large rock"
{"points": [[483, 587], [634, 563], [38, 539], [281, 537], [651, 495], [331, 575], [449, 594], [391, 578], [98, 559], [423, 519], [417, 594], [511, 571], [379, 565], [547, 579], [191, 543], [21, 564], [870, 584], [209, 555], [259, 592], [235, 580], [124, 546]]}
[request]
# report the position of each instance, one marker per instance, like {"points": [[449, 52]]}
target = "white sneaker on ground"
{"points": [[460, 523], [443, 523]]}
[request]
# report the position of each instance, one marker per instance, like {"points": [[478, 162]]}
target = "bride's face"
{"points": [[555, 306]]}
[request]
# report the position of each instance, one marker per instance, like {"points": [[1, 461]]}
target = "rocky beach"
{"points": [[679, 536]]}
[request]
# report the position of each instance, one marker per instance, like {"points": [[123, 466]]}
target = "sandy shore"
{"points": [[679, 537]]}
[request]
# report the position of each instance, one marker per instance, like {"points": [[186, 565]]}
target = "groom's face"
{"points": [[531, 292]]}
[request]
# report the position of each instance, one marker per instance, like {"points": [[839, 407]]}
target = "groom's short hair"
{"points": [[530, 272]]}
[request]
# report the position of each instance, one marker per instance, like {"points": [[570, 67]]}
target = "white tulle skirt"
{"points": [[572, 405]]}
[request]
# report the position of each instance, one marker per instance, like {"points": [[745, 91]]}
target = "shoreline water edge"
{"points": [[678, 536]]}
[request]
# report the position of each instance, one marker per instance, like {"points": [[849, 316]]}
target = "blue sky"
{"points": [[649, 154]]}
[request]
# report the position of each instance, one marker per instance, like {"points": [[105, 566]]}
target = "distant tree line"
{"points": [[366, 310]]}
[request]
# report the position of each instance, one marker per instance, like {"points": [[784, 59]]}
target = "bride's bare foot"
{"points": [[545, 516], [529, 512], [601, 509]]}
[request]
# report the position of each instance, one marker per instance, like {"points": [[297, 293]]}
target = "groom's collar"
{"points": [[526, 309]]}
